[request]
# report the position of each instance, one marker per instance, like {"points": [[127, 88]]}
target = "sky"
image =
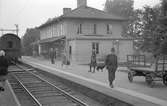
{"points": [[32, 13]]}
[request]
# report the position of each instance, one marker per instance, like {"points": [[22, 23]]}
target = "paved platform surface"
{"points": [[7, 98], [139, 89]]}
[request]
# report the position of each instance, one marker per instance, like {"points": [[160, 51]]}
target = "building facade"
{"points": [[78, 31]]}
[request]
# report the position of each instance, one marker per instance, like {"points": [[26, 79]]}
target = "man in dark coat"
{"points": [[3, 69], [93, 62], [111, 65]]}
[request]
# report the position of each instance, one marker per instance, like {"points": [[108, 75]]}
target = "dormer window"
{"points": [[109, 29], [79, 30]]}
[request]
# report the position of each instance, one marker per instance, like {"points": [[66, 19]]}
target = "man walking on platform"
{"points": [[111, 65]]}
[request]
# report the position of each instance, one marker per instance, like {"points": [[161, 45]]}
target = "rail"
{"points": [[25, 77]]}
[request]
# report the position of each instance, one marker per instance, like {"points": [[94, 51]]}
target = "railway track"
{"points": [[42, 92]]}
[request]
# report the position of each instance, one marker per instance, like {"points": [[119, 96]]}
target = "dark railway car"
{"points": [[11, 44]]}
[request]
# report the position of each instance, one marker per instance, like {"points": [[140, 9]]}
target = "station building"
{"points": [[78, 31]]}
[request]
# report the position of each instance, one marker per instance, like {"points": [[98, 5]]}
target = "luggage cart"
{"points": [[156, 72]]}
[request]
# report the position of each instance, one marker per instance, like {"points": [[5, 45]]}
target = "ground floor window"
{"points": [[95, 46]]}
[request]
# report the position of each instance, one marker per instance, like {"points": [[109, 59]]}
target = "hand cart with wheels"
{"points": [[155, 72]]}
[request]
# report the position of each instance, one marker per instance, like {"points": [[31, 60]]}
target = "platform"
{"points": [[98, 82], [7, 97]]}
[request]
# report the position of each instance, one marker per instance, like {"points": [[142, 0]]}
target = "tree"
{"points": [[120, 7], [156, 30], [125, 9], [29, 37], [163, 23], [134, 28], [164, 7], [149, 24], [152, 30]]}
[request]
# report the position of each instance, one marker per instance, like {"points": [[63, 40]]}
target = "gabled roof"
{"points": [[89, 12], [85, 12]]}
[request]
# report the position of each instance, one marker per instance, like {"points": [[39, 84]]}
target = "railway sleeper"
{"points": [[56, 99], [48, 94]]}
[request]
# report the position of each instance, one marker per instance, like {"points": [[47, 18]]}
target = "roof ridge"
{"points": [[93, 9], [55, 18], [72, 10], [76, 13], [78, 9]]}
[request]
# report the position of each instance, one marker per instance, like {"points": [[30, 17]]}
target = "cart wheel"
{"points": [[130, 76], [165, 79], [149, 80]]}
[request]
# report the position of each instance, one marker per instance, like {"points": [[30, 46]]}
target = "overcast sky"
{"points": [[31, 13]]}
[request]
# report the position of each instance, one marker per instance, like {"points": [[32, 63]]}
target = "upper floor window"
{"points": [[109, 29], [94, 28], [79, 30]]}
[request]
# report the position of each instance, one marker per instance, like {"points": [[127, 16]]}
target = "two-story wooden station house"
{"points": [[78, 31]]}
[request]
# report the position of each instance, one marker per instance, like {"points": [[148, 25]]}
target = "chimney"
{"points": [[81, 3], [66, 10]]}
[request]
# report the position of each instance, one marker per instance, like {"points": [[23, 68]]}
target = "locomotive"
{"points": [[11, 44]]}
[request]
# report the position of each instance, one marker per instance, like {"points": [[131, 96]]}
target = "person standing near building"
{"points": [[64, 59], [3, 69], [52, 55], [111, 65], [93, 61]]}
